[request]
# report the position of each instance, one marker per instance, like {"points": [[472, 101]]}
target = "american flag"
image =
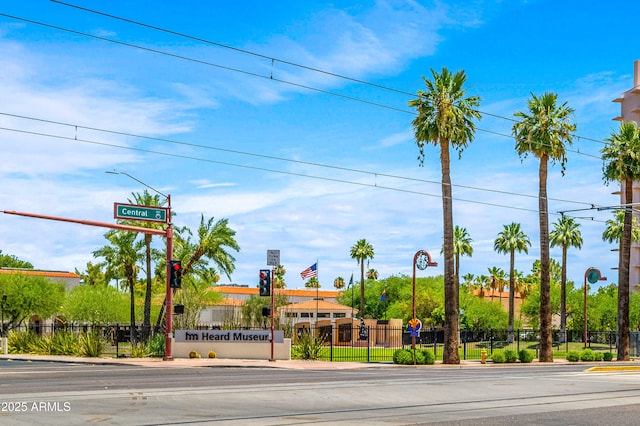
{"points": [[310, 272]]}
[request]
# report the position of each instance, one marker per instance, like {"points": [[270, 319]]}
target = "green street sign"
{"points": [[143, 213]]}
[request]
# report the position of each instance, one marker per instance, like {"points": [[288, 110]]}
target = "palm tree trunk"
{"points": [[563, 296], [146, 323], [623, 276], [132, 307], [546, 336], [362, 304], [451, 355], [512, 291]]}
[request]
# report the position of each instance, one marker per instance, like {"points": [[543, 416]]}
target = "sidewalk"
{"points": [[296, 364]]}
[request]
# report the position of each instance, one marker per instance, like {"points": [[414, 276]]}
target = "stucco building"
{"points": [[630, 111]]}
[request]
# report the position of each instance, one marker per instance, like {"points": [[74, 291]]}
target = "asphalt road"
{"points": [[41, 393]]}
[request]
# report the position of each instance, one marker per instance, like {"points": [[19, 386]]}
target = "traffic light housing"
{"points": [[175, 274], [265, 282], [266, 311], [178, 309]]}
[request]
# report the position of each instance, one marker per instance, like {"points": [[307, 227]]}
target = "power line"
{"points": [[186, 157], [271, 157], [272, 59]]}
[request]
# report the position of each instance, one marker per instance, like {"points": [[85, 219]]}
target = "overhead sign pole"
{"points": [[273, 259]]}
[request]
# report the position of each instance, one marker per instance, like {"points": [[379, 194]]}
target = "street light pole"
{"points": [[593, 276], [168, 308], [421, 259]]}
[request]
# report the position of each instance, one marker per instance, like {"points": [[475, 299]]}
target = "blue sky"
{"points": [[303, 167]]}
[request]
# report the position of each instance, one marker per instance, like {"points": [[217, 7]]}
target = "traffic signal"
{"points": [[178, 309], [175, 274], [265, 282], [266, 311]]}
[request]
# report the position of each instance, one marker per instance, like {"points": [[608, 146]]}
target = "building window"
{"points": [[291, 315], [339, 315], [306, 315], [324, 315]]}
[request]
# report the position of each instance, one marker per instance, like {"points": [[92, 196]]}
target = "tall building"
{"points": [[630, 111]]}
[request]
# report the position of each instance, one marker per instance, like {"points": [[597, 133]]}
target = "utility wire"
{"points": [[271, 157], [253, 74], [187, 157], [274, 59]]}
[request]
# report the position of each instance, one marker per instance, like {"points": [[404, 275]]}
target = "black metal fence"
{"points": [[378, 343]]}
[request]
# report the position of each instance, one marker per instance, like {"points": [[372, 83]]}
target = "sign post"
{"points": [[143, 213], [273, 259]]}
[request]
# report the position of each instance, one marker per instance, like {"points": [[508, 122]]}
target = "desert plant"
{"points": [[64, 343], [309, 347], [194, 354], [498, 357], [211, 354], [510, 356], [19, 342], [587, 355], [139, 350], [525, 355], [91, 345], [573, 356], [155, 345]]}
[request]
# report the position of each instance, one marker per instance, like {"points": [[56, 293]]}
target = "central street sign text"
{"points": [[143, 213]]}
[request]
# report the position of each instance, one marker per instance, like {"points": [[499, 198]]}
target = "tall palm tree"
{"points": [[480, 284], [565, 234], [339, 283], [510, 240], [122, 254], [544, 132], [146, 199], [214, 242], [372, 274], [615, 228], [468, 281], [461, 247], [446, 117], [622, 164], [361, 251], [496, 280]]}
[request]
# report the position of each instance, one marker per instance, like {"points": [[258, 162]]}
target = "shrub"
{"points": [[90, 345], [139, 350], [211, 354], [64, 343], [419, 358], [607, 356], [498, 357], [598, 356], [309, 347], [194, 354], [573, 356], [525, 355], [403, 357], [19, 342], [587, 355], [510, 356], [155, 345], [429, 356]]}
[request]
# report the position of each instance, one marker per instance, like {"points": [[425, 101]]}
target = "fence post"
{"points": [[368, 343], [491, 341], [518, 340], [331, 343], [435, 342], [464, 345]]}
